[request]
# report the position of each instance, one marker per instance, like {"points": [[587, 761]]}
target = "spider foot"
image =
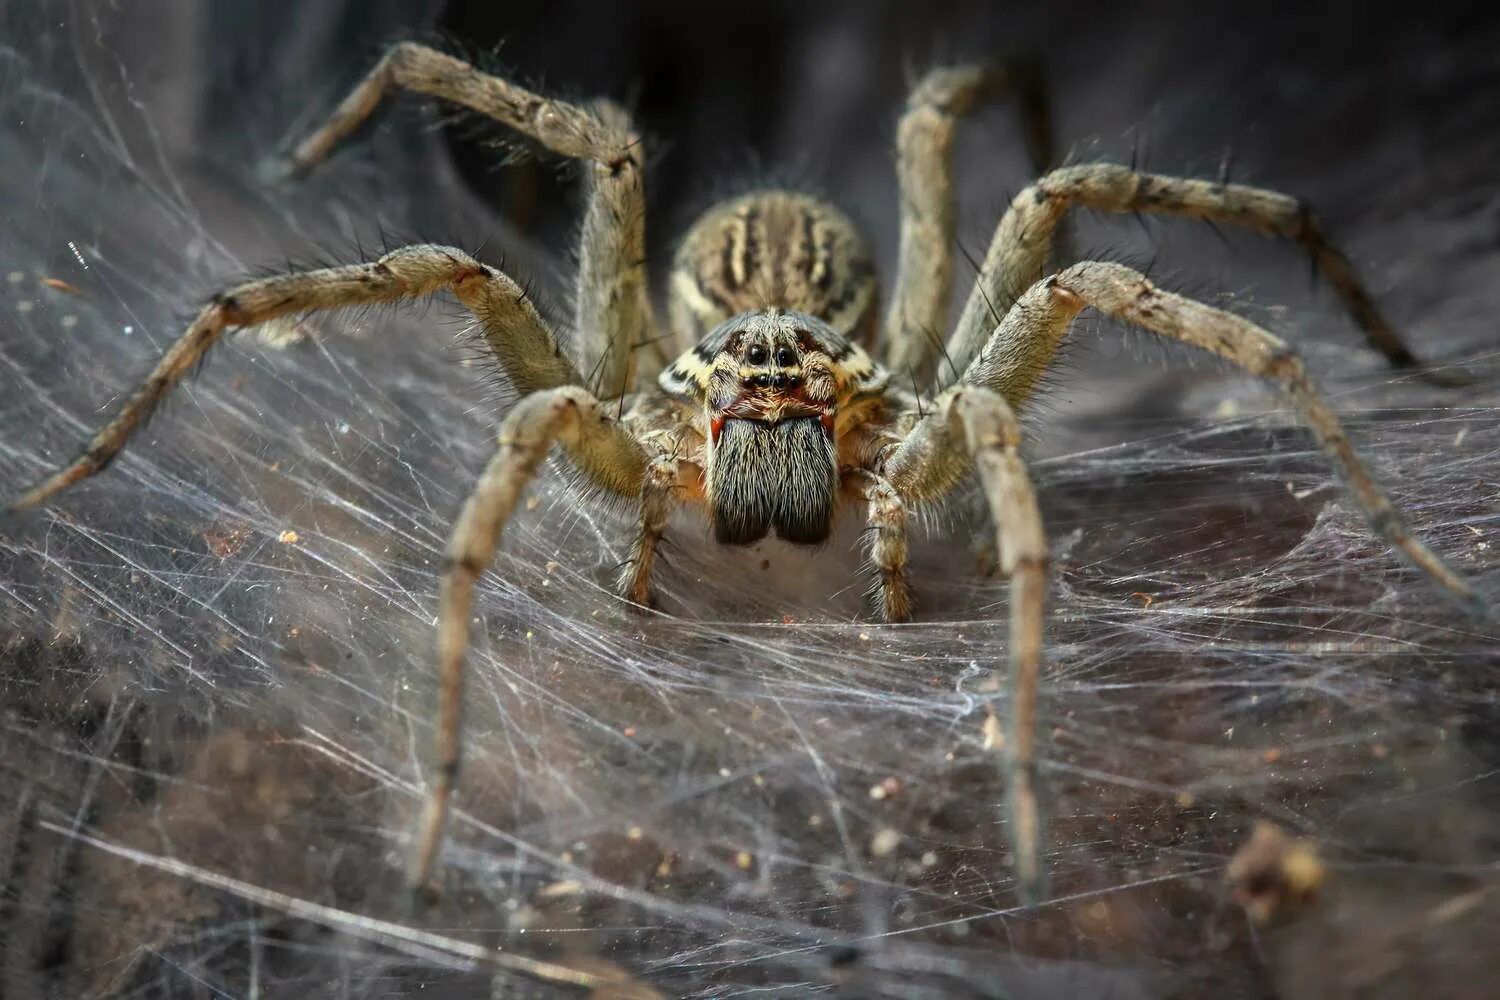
{"points": [[640, 605], [274, 171], [1479, 607], [1450, 377], [893, 598], [633, 583], [420, 900]]}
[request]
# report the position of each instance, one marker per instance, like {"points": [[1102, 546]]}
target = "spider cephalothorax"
{"points": [[778, 413]]}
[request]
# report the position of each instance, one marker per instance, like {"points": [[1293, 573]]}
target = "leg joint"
{"points": [[466, 562], [231, 313], [949, 91], [447, 771], [1387, 523], [1039, 561], [1307, 229], [1000, 431], [1284, 363], [99, 457]]}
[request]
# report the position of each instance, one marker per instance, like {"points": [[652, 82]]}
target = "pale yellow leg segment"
{"points": [[658, 498], [564, 128], [574, 418], [918, 315], [522, 343], [974, 425], [1018, 254], [1026, 339], [612, 305], [887, 521], [612, 309]]}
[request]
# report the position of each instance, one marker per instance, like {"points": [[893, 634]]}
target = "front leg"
{"points": [[569, 416], [658, 497], [612, 311], [887, 531], [972, 427]]}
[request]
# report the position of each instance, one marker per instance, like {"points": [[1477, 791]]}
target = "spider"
{"points": [[777, 415]]}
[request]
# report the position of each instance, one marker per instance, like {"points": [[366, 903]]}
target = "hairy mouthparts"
{"points": [[765, 476]]}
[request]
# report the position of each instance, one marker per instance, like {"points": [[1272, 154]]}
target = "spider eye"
{"points": [[785, 357], [756, 355]]}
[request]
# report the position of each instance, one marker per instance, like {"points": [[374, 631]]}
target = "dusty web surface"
{"points": [[216, 656]]}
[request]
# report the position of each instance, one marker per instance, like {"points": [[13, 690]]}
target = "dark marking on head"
{"points": [[810, 365]]}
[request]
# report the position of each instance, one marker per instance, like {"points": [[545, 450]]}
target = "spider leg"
{"points": [[522, 343], [918, 311], [573, 417], [1019, 251], [612, 314], [973, 426], [887, 520], [1026, 339], [658, 498]]}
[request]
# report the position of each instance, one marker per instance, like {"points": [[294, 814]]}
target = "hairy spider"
{"points": [[777, 415]]}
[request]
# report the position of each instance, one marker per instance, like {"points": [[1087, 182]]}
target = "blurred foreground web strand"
{"points": [[216, 657]]}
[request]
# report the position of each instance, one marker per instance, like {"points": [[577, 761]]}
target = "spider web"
{"points": [[217, 655]]}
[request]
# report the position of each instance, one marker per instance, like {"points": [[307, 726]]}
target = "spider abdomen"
{"points": [[766, 477], [783, 249]]}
